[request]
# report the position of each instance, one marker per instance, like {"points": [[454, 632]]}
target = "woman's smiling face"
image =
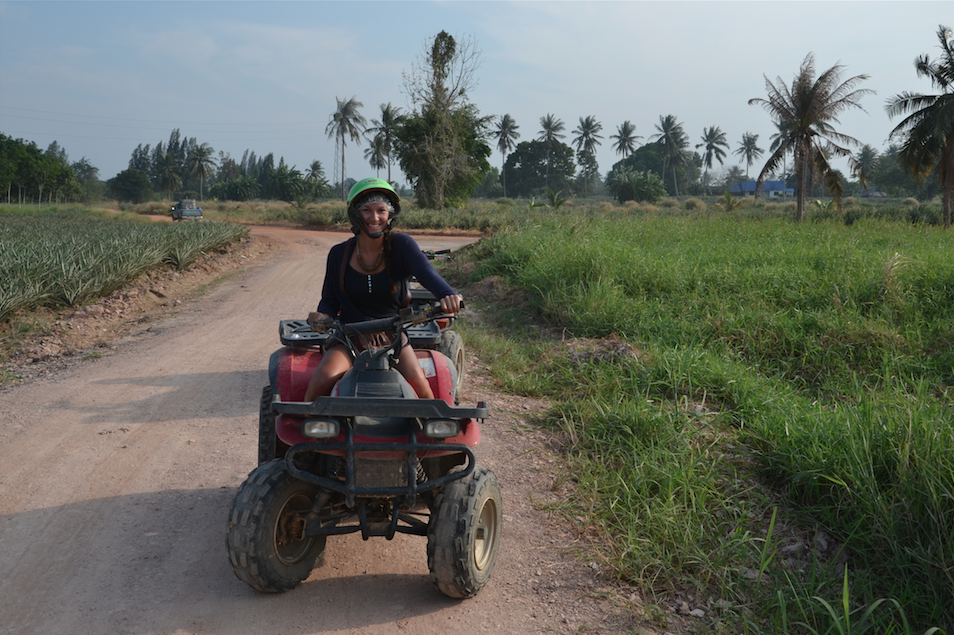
{"points": [[375, 217]]}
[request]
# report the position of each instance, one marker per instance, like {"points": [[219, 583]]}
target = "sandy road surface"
{"points": [[116, 476]]}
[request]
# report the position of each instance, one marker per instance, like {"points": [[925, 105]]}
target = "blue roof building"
{"points": [[769, 188]]}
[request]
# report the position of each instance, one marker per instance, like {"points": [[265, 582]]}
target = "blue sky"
{"points": [[102, 77]]}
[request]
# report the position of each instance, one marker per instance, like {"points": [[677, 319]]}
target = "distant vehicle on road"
{"points": [[186, 209]]}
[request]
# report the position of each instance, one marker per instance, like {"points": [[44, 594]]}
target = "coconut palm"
{"points": [[713, 140], [551, 132], [586, 140], [778, 138], [805, 112], [385, 127], [168, 171], [733, 174], [673, 140], [625, 139], [927, 133], [201, 164], [506, 132], [374, 154], [749, 150], [315, 176], [867, 159], [346, 122]]}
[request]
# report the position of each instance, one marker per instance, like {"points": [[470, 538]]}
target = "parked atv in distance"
{"points": [[370, 458]]}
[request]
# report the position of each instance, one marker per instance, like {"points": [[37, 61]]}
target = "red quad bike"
{"points": [[371, 457]]}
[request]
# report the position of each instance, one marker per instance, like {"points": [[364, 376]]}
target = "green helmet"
{"points": [[357, 195]]}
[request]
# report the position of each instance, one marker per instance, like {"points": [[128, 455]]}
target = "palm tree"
{"points": [[506, 133], [778, 138], [385, 128], [750, 151], [713, 140], [168, 170], [346, 122], [673, 140], [732, 175], [201, 164], [586, 141], [867, 159], [625, 139], [375, 155], [804, 114], [928, 131], [316, 177], [552, 131], [316, 172]]}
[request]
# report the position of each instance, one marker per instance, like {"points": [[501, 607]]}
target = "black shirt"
{"points": [[372, 294]]}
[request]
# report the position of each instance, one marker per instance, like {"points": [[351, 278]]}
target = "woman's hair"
{"points": [[387, 260], [373, 197]]}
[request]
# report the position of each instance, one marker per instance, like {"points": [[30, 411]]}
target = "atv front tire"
{"points": [[463, 536], [264, 540]]}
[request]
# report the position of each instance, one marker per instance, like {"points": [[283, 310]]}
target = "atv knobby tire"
{"points": [[463, 536], [452, 347], [269, 446], [264, 523]]}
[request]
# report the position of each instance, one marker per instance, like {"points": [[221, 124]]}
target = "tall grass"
{"points": [[61, 259], [810, 363]]}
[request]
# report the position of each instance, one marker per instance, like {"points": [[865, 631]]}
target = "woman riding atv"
{"points": [[366, 277]]}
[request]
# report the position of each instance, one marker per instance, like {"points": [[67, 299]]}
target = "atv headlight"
{"points": [[441, 428], [320, 428]]}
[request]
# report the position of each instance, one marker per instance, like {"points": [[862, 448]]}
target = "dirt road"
{"points": [[116, 476]]}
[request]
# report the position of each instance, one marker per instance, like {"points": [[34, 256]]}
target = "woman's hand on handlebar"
{"points": [[452, 304], [319, 321], [314, 317]]}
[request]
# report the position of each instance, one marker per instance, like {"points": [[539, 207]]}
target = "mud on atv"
{"points": [[370, 458]]}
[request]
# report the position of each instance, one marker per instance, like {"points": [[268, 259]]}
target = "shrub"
{"points": [[695, 205], [910, 202], [628, 185]]}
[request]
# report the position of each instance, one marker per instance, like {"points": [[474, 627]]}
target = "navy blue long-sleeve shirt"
{"points": [[406, 260]]}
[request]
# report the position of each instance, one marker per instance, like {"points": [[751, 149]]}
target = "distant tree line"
{"points": [[28, 174], [443, 143], [185, 168]]}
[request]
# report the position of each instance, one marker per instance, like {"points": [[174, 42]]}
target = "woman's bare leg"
{"points": [[333, 365], [411, 369]]}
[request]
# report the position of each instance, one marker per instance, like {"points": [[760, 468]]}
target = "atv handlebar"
{"points": [[408, 316]]}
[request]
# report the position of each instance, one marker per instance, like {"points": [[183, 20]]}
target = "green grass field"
{"points": [[805, 369]]}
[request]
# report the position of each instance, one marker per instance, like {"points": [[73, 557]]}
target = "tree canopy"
{"points": [[442, 145], [534, 166]]}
